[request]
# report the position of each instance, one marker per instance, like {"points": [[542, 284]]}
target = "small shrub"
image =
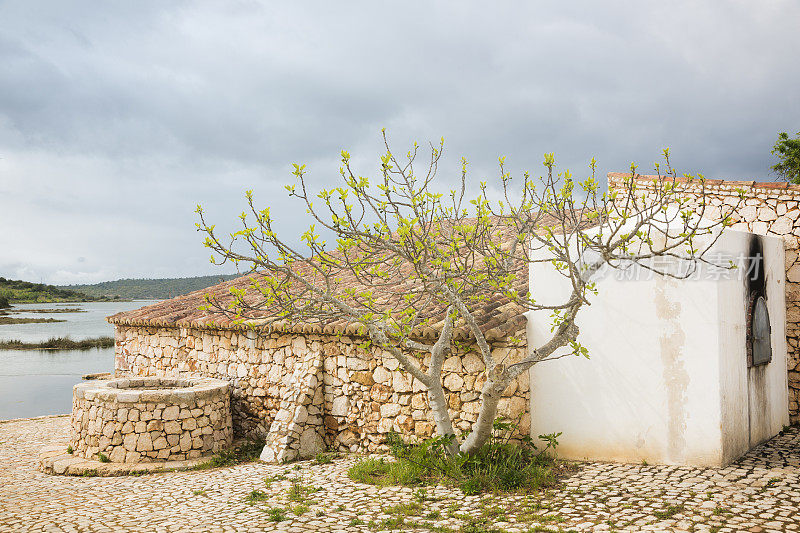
{"points": [[70, 449], [90, 473], [356, 522], [103, 458]]}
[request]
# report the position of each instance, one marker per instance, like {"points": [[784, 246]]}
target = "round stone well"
{"points": [[150, 419]]}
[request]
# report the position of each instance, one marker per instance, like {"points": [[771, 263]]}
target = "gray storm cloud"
{"points": [[117, 118]]}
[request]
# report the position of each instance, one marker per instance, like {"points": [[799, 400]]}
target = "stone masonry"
{"points": [[303, 392], [767, 209], [151, 419]]}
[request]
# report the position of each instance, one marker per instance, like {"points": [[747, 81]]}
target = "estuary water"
{"points": [[39, 382]]}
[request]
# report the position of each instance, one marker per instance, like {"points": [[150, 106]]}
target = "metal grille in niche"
{"points": [[759, 347]]}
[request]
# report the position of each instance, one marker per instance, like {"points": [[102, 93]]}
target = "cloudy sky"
{"points": [[117, 118]]}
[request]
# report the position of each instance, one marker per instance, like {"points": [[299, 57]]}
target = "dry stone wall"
{"points": [[150, 419], [305, 391], [767, 209]]}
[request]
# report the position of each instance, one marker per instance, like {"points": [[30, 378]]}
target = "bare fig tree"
{"points": [[406, 257]]}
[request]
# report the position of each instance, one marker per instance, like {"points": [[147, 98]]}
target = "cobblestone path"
{"points": [[759, 493]]}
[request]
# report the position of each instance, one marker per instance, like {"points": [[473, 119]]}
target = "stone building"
{"points": [[304, 388], [767, 208]]}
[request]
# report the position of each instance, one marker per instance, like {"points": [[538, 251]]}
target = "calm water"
{"points": [[39, 382]]}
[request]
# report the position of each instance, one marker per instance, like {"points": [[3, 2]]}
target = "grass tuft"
{"points": [[500, 466], [243, 453]]}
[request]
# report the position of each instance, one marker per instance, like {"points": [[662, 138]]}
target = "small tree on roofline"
{"points": [[788, 152], [408, 256]]}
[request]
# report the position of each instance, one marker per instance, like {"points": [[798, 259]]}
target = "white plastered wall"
{"points": [[667, 379]]}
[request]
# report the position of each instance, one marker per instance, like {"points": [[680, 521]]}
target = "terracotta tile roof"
{"points": [[498, 317], [790, 188]]}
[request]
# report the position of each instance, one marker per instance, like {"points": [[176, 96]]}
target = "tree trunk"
{"points": [[482, 430], [441, 415]]}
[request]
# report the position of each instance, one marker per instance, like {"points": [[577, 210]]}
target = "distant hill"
{"points": [[150, 289], [20, 292]]}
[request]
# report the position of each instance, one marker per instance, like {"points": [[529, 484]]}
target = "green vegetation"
{"points": [[52, 310], [300, 509], [256, 496], [498, 466], [4, 303], [245, 452], [9, 320], [276, 514], [668, 512], [788, 152], [16, 291], [58, 343], [147, 289], [324, 458]]}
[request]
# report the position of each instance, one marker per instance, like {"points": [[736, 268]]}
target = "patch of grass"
{"points": [[54, 310], [199, 492], [70, 449], [404, 509], [58, 343], [256, 496], [276, 514], [479, 525], [299, 491], [433, 515], [103, 458], [668, 512], [9, 320], [356, 522], [394, 522], [90, 473], [245, 452], [300, 510], [382, 473], [718, 510], [269, 480], [323, 458], [500, 466]]}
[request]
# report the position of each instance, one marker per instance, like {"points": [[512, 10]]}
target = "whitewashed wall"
{"points": [[667, 378]]}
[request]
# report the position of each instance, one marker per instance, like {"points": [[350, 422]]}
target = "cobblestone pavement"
{"points": [[759, 493]]}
